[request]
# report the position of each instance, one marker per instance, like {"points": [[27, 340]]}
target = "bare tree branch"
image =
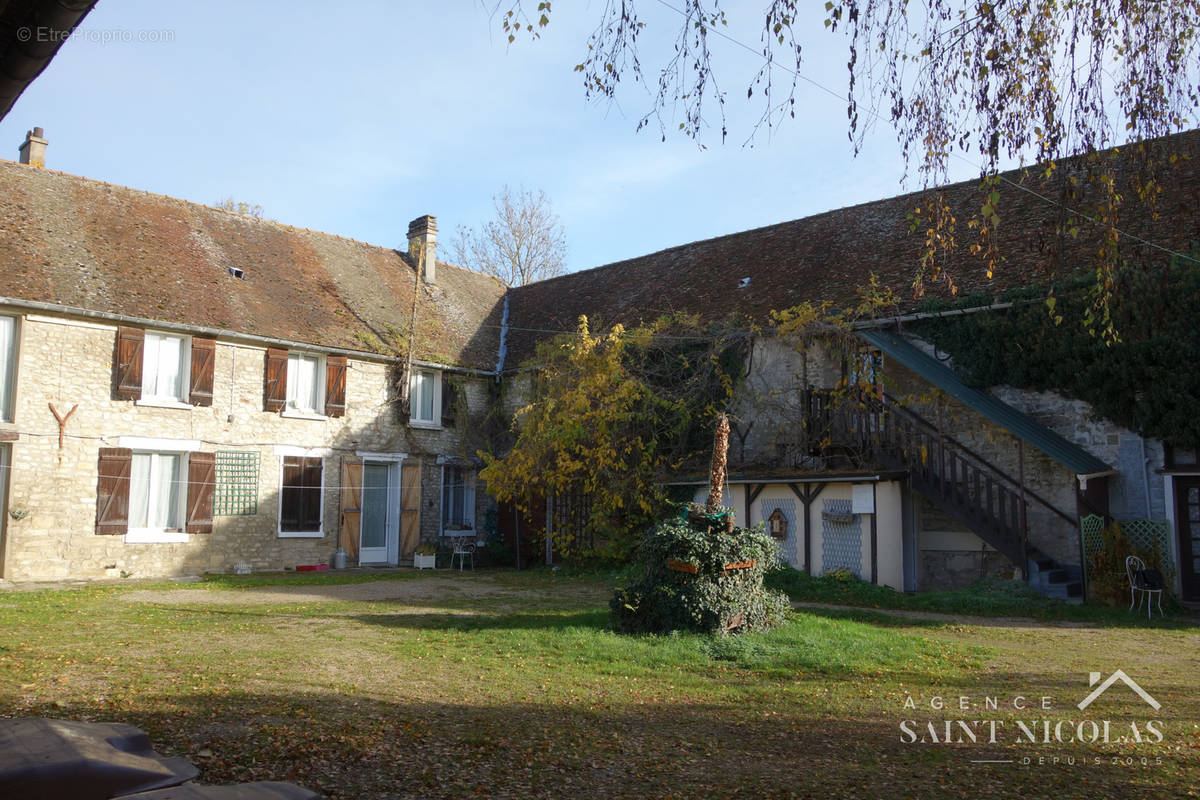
{"points": [[523, 243]]}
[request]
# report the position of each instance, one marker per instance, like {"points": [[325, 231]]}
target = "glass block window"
{"points": [[237, 484]]}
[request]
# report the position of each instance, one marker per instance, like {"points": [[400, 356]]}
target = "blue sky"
{"points": [[355, 118]]}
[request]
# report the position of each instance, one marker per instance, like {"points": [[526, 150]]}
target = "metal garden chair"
{"points": [[1136, 571]]}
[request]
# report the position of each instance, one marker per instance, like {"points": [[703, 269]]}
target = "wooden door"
{"points": [[410, 508], [351, 507], [1187, 525]]}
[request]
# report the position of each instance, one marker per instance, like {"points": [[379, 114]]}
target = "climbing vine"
{"points": [[1146, 381], [613, 413]]}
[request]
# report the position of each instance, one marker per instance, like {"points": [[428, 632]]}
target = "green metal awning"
{"points": [[1024, 427]]}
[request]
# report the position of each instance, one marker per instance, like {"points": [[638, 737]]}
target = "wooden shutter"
{"points": [[313, 480], [449, 401], [112, 490], [289, 493], [127, 363], [275, 388], [410, 508], [202, 483], [204, 354], [335, 386], [351, 501]]}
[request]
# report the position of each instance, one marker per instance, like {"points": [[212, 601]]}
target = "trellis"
{"points": [[236, 491], [1150, 535]]}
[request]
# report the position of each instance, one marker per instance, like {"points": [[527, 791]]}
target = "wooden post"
{"points": [[874, 535], [1022, 521], [716, 478]]}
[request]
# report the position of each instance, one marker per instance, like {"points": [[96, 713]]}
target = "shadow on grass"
{"points": [[354, 746]]}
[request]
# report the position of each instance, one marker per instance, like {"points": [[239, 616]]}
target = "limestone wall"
{"points": [[68, 363]]}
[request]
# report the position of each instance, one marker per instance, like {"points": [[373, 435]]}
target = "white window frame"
{"points": [[435, 419], [156, 534], [150, 369], [8, 369], [290, 409], [468, 490], [300, 452]]}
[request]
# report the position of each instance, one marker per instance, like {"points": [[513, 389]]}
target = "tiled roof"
{"points": [[82, 243], [828, 256]]}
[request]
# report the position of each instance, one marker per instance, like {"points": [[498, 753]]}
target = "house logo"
{"points": [[1119, 675]]}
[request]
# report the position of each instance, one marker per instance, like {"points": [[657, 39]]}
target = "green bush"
{"points": [[713, 599], [1107, 578]]}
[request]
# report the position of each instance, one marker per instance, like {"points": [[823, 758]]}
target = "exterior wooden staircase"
{"points": [[961, 483]]}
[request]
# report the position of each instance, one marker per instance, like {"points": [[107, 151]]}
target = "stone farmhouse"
{"points": [[186, 389]]}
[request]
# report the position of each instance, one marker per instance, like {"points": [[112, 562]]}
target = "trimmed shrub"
{"points": [[701, 580]]}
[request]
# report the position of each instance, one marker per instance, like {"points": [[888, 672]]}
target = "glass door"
{"points": [[373, 542]]}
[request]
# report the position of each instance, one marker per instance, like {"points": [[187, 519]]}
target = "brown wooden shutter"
{"points": [[202, 483], [410, 508], [351, 517], [335, 386], [112, 490], [204, 354], [449, 401], [275, 389], [313, 479], [127, 363], [290, 492]]}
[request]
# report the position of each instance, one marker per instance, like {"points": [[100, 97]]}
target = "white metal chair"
{"points": [[464, 548], [1135, 570]]}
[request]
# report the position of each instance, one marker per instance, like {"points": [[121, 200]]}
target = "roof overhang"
{"points": [[876, 476], [31, 32]]}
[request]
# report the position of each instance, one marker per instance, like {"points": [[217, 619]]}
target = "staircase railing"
{"points": [[959, 481]]}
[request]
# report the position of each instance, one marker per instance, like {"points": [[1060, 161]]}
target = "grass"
{"points": [[986, 598], [506, 684]]}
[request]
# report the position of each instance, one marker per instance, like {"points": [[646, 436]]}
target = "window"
{"points": [[425, 398], [164, 364], [304, 383], [154, 495], [300, 496], [458, 498], [162, 368], [156, 492], [8, 365]]}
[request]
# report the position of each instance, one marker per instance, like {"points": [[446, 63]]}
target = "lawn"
{"points": [[505, 684]]}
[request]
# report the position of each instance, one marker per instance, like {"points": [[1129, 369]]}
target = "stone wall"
{"points": [[767, 413], [1044, 476], [68, 362]]}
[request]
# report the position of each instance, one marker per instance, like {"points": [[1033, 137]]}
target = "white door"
{"points": [[379, 531]]}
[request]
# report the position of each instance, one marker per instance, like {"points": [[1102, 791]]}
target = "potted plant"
{"points": [[425, 556]]}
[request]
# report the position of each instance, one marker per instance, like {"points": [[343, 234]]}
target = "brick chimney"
{"points": [[422, 247], [33, 150]]}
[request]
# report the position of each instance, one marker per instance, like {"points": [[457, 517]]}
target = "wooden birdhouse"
{"points": [[777, 524]]}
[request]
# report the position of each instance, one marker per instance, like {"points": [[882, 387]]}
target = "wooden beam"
{"points": [[874, 535], [810, 492]]}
